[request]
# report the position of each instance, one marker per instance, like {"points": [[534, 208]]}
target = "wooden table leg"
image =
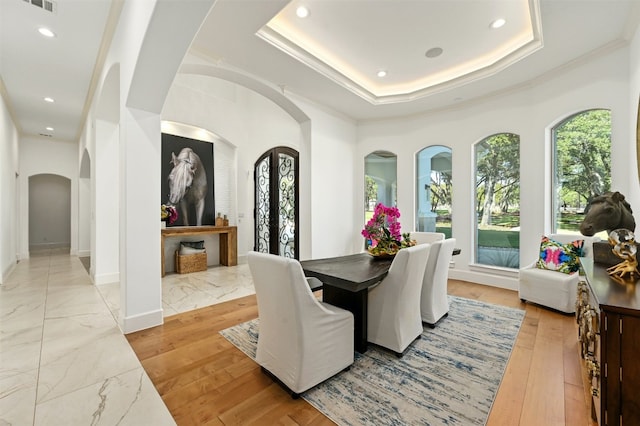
{"points": [[356, 303], [162, 271]]}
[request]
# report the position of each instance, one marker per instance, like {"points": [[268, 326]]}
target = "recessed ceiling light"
{"points": [[498, 23], [48, 99], [46, 32], [434, 52], [302, 12], [382, 73], [50, 129]]}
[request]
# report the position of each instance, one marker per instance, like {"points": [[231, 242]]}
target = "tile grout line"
{"points": [[44, 316]]}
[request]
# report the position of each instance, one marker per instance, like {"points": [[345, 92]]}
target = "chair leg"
{"points": [[434, 324], [273, 377]]}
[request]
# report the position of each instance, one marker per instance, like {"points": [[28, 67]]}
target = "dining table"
{"points": [[345, 283]]}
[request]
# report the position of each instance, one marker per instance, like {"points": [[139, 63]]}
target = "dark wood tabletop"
{"points": [[352, 273], [618, 294]]}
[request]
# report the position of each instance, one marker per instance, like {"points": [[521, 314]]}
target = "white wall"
{"points": [[529, 113], [632, 124], [39, 155], [334, 208], [8, 189], [84, 204]]}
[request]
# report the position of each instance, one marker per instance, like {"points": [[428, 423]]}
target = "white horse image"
{"points": [[188, 184]]}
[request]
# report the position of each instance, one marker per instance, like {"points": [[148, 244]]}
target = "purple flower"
{"points": [[384, 230]]}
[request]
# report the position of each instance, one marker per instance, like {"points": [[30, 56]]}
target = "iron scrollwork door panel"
{"points": [[262, 219], [287, 205]]}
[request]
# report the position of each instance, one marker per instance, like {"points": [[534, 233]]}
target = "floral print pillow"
{"points": [[556, 256]]}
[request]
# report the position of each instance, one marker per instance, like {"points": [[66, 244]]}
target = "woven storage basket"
{"points": [[191, 262]]}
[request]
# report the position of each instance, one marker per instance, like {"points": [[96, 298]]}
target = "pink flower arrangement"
{"points": [[384, 232], [168, 213]]}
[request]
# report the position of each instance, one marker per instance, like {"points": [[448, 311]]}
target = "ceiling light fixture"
{"points": [[50, 129], [434, 52], [48, 99], [498, 23], [46, 32], [382, 73], [302, 12]]}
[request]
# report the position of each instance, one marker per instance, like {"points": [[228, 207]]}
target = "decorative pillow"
{"points": [[556, 256], [190, 250], [193, 244]]}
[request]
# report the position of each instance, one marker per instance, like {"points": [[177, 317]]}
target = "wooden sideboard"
{"points": [[228, 240], [608, 314]]}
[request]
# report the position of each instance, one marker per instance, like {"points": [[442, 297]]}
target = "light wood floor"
{"points": [[204, 380]]}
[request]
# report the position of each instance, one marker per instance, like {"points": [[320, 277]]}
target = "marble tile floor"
{"points": [[63, 358]]}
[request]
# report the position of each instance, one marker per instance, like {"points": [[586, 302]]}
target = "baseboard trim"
{"points": [[106, 278], [84, 253], [142, 321], [486, 279]]}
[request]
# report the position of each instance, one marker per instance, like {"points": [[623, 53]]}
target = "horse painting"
{"points": [[608, 211], [188, 184]]}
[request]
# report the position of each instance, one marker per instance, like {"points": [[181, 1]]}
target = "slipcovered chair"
{"points": [[434, 302], [427, 237], [553, 289], [394, 304], [301, 340]]}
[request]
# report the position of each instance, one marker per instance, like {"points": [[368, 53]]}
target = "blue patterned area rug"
{"points": [[448, 377]]}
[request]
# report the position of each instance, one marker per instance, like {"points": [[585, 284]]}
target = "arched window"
{"points": [[497, 163], [380, 176], [433, 190], [581, 165]]}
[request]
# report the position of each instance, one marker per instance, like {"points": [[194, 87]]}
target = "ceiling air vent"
{"points": [[47, 5]]}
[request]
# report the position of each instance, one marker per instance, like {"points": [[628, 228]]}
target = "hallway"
{"points": [[63, 358]]}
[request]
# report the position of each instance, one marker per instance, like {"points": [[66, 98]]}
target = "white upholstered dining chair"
{"points": [[427, 237], [434, 301], [301, 340], [394, 304]]}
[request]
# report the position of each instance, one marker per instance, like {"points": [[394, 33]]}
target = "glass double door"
{"points": [[276, 202]]}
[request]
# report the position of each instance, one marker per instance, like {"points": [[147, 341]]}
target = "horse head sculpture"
{"points": [[608, 211], [188, 184]]}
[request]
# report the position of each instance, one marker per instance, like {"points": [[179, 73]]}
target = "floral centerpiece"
{"points": [[168, 214], [383, 232]]}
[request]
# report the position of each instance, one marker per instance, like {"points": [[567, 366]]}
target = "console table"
{"points": [[608, 314], [228, 240]]}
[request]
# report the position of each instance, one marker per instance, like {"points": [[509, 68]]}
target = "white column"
{"points": [[105, 268], [140, 283]]}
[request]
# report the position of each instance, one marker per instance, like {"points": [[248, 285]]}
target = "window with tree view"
{"points": [[498, 201], [582, 165], [433, 190]]}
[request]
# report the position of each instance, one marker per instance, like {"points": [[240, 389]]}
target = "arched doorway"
{"points": [[49, 213], [276, 202]]}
